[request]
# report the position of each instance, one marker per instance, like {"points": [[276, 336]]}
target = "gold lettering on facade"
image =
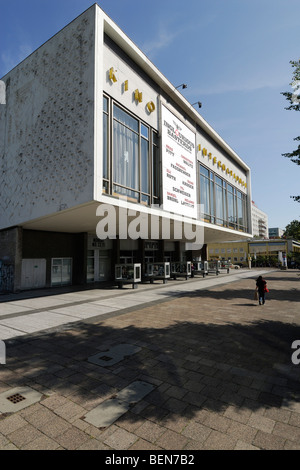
{"points": [[112, 75], [150, 106], [138, 96], [222, 166]]}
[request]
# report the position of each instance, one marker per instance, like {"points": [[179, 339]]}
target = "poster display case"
{"points": [[214, 267], [201, 267], [128, 274], [181, 269], [159, 270]]}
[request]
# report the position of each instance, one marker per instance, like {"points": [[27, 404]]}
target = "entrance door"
{"points": [[61, 271], [33, 273], [98, 266], [104, 268]]}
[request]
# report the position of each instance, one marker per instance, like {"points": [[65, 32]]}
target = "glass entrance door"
{"points": [[98, 266], [61, 271]]}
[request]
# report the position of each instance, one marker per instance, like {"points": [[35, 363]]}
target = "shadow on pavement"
{"points": [[193, 365]]}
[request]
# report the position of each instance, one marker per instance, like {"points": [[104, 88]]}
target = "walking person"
{"points": [[261, 287]]}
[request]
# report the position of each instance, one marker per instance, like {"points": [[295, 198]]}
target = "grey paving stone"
{"points": [[110, 410]]}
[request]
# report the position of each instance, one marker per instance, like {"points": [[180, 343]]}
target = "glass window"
{"points": [[126, 152], [133, 162], [105, 146], [105, 169], [218, 181], [144, 131], [204, 195], [155, 168], [105, 104], [90, 275], [241, 211], [212, 200], [204, 171], [223, 203], [145, 176], [126, 119], [207, 194], [61, 271], [219, 204], [231, 207]]}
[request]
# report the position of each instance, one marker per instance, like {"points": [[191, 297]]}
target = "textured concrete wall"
{"points": [[11, 253], [46, 127]]}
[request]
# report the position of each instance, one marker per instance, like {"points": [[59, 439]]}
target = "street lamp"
{"points": [[198, 103], [183, 85]]}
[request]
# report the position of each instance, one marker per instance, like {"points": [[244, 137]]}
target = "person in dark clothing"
{"points": [[261, 287]]}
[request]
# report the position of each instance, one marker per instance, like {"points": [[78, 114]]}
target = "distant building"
{"points": [[259, 222], [235, 251], [239, 251], [275, 232]]}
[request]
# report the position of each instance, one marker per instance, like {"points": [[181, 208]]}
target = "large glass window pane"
{"points": [[240, 209], [212, 200], [105, 146], [66, 271], [219, 204], [132, 195], [145, 166], [245, 213], [204, 171], [126, 157], [224, 205], [218, 181], [61, 271], [105, 104], [204, 194], [130, 161], [155, 166], [231, 206], [126, 119], [90, 269], [144, 131]]}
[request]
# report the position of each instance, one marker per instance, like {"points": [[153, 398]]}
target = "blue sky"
{"points": [[233, 55]]}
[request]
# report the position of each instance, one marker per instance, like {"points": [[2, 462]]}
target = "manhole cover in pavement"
{"points": [[16, 398], [106, 358], [114, 355]]}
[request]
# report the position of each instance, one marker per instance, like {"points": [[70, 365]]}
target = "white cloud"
{"points": [[163, 39]]}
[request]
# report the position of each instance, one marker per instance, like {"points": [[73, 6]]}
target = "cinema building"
{"points": [[90, 128]]}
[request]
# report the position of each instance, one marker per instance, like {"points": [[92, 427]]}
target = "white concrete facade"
{"points": [[47, 127]]}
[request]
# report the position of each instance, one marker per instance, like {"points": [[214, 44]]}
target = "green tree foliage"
{"points": [[293, 230], [294, 99]]}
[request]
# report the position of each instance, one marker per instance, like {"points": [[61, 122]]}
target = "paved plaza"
{"points": [[187, 365]]}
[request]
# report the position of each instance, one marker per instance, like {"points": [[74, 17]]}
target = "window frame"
{"points": [[143, 194], [228, 193]]}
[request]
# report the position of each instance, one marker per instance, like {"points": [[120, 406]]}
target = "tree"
{"points": [[293, 230], [294, 100]]}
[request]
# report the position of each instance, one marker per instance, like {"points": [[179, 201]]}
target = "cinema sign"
{"points": [[178, 166]]}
